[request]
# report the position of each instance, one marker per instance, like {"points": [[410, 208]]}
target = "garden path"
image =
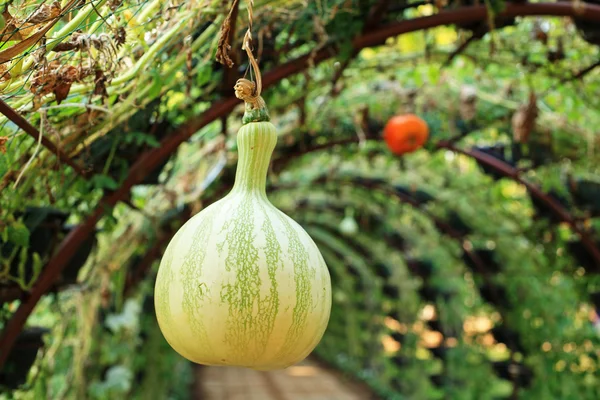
{"points": [[306, 381]]}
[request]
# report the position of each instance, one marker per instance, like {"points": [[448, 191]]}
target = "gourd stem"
{"points": [[256, 142], [256, 108]]}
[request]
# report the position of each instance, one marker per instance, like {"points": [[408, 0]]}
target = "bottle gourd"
{"points": [[241, 283]]}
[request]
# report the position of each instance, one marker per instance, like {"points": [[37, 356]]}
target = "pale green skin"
{"points": [[241, 283]]}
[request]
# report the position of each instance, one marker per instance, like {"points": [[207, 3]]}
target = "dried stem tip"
{"points": [[256, 108]]}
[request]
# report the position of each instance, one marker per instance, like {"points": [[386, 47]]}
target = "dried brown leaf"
{"points": [[44, 13], [74, 43], [3, 140], [114, 4], [65, 46], [37, 102], [44, 80], [70, 74], [100, 80], [61, 91], [4, 73], [120, 36], [523, 120], [13, 51], [223, 46], [23, 45], [10, 31], [56, 78]]}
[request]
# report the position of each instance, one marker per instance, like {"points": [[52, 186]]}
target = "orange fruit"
{"points": [[405, 133]]}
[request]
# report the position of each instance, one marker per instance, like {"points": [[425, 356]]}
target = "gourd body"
{"points": [[348, 226], [241, 283]]}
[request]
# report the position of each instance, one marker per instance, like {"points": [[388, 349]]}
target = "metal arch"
{"points": [[512, 173]]}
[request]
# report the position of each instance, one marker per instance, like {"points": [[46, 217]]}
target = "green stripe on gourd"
{"points": [[241, 283]]}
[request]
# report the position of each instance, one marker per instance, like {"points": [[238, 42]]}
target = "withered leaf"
{"points": [[13, 51], [4, 73], [524, 119], [10, 33], [100, 80], [37, 102], [65, 46], [56, 78], [69, 73], [120, 36], [73, 43], [10, 30], [3, 140], [114, 4], [61, 91], [44, 13]]}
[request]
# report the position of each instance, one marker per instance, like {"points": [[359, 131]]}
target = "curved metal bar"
{"points": [[511, 172], [462, 15], [152, 158]]}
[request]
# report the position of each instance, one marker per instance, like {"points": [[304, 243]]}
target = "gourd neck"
{"points": [[256, 142]]}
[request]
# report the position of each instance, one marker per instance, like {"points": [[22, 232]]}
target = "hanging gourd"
{"points": [[348, 226], [405, 133], [241, 283]]}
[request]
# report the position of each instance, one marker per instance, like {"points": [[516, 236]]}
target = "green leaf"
{"points": [[141, 138], [346, 50], [204, 75], [497, 6], [156, 87], [3, 165], [18, 234], [104, 182], [151, 141], [434, 74]]}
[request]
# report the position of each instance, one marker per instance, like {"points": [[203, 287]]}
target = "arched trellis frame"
{"points": [[152, 158]]}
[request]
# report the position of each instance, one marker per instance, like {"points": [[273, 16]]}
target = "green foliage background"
{"points": [[104, 342]]}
